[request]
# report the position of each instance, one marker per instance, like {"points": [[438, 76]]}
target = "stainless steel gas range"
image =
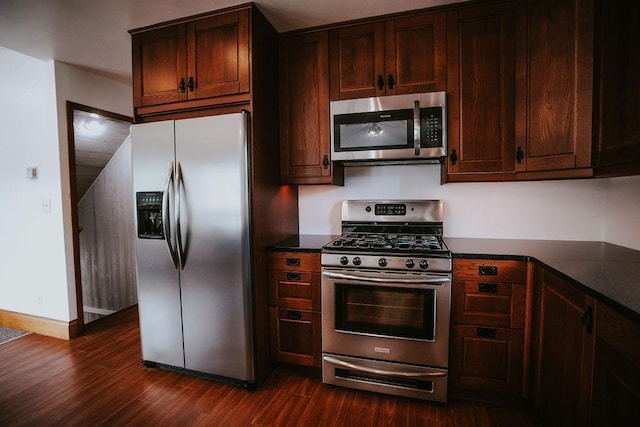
{"points": [[386, 297]]}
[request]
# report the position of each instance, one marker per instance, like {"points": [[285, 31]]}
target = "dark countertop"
{"points": [[609, 272], [303, 243]]}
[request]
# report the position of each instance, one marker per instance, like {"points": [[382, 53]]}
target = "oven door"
{"points": [[391, 316]]}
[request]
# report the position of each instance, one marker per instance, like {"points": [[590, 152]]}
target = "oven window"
{"points": [[396, 312]]}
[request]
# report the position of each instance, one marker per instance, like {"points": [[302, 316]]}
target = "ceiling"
{"points": [[96, 139], [93, 34]]}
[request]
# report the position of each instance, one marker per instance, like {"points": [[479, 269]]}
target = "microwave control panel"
{"points": [[431, 127]]}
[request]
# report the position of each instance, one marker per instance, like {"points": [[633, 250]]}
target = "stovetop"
{"points": [[390, 243], [397, 235]]}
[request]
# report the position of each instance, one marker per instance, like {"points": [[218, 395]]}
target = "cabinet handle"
{"points": [[519, 154], [293, 261], [587, 319], [488, 270], [453, 157], [294, 315], [380, 82], [391, 81], [191, 84], [182, 85], [490, 288], [325, 161], [293, 276], [486, 332]]}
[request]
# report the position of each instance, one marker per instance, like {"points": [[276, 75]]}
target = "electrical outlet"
{"points": [[39, 301], [45, 206]]}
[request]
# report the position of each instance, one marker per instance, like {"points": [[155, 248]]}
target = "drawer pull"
{"points": [[490, 288], [488, 270], [293, 261], [486, 332], [294, 315], [293, 276]]}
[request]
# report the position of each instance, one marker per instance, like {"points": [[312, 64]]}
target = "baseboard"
{"points": [[40, 325]]}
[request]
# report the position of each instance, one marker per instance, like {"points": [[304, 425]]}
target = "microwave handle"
{"points": [[416, 127]]}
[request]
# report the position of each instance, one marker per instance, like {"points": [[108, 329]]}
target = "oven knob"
{"points": [[382, 262], [357, 260], [424, 264], [410, 263], [344, 260]]}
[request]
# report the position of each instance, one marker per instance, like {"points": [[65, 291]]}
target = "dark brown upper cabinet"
{"points": [[481, 84], [396, 56], [195, 61], [618, 90], [554, 86], [305, 143]]}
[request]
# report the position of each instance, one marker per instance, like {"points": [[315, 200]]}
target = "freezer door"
{"points": [[211, 153], [158, 279]]}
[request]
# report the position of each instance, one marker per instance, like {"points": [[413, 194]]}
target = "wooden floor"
{"points": [[98, 379]]}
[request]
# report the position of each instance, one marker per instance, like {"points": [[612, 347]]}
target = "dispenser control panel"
{"points": [[149, 214]]}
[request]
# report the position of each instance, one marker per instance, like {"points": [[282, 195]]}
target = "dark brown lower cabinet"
{"points": [[295, 336], [487, 359], [294, 307], [563, 351], [616, 370], [488, 306]]}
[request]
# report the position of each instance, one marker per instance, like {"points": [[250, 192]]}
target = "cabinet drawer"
{"points": [[294, 289], [295, 261], [488, 303], [485, 270], [295, 336], [487, 359]]}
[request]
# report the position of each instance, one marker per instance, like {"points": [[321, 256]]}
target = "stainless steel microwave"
{"points": [[389, 128]]}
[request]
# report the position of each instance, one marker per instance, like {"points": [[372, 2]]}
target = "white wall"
{"points": [[597, 209], [36, 260], [622, 216], [82, 87], [33, 278]]}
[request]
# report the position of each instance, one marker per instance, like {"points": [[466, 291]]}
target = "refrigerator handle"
{"points": [[166, 216], [179, 246]]}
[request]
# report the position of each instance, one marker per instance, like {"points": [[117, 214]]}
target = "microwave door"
{"points": [[373, 134]]}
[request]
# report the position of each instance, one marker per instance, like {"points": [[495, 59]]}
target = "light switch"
{"points": [[32, 173], [45, 206]]}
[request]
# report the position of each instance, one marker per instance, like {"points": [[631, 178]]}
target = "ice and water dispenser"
{"points": [[149, 211]]}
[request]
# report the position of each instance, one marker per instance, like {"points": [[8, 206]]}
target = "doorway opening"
{"points": [[102, 211]]}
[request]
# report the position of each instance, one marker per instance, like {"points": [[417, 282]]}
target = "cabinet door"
{"points": [[616, 376], [218, 55], [487, 359], [555, 84], [305, 150], [564, 352], [296, 336], [357, 61], [159, 66], [619, 67], [415, 54], [481, 84]]}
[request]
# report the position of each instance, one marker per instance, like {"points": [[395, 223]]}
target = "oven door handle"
{"points": [[403, 374], [343, 276]]}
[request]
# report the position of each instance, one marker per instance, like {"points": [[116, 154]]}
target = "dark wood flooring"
{"points": [[98, 379]]}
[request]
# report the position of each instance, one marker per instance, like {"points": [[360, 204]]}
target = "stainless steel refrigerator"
{"points": [[191, 184]]}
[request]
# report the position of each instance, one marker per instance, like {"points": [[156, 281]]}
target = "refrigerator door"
{"points": [[158, 279], [211, 153]]}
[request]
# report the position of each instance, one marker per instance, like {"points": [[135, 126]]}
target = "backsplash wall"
{"points": [[595, 209]]}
